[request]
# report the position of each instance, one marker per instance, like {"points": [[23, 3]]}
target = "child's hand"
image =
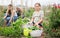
{"points": [[36, 23]]}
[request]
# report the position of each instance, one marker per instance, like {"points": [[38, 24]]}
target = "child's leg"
{"points": [[40, 26], [7, 19], [15, 18]]}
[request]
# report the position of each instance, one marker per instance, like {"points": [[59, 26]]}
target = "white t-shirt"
{"points": [[38, 15], [15, 14]]}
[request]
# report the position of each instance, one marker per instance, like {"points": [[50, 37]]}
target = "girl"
{"points": [[10, 15], [38, 15]]}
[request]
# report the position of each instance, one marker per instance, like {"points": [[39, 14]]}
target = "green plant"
{"points": [[15, 30], [55, 18], [1, 16], [54, 23], [28, 13], [34, 28]]}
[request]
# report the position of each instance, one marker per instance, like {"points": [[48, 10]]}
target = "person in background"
{"points": [[19, 12], [38, 16], [10, 15]]}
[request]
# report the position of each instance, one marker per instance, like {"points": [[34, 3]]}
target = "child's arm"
{"points": [[12, 16]]}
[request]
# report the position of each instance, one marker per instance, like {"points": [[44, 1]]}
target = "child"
{"points": [[10, 15], [38, 15]]}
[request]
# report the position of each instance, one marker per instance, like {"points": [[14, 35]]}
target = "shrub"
{"points": [[15, 30], [54, 23]]}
